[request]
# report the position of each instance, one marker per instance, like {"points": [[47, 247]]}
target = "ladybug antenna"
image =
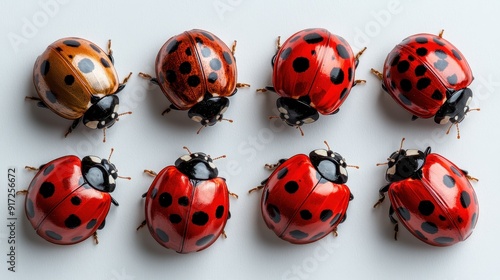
{"points": [[401, 145], [441, 33], [124, 177], [219, 157], [104, 134], [233, 47], [458, 130], [327, 146], [125, 113], [199, 130], [227, 120], [352, 166], [273, 117], [278, 43], [110, 154], [187, 149], [300, 129]]}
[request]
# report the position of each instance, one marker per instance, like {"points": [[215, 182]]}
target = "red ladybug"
{"points": [[68, 199], [197, 72], [77, 80], [313, 72], [431, 197], [306, 197], [429, 77], [187, 205]]}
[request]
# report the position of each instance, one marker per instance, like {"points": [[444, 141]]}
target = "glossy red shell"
{"points": [[422, 70], [186, 215], [61, 206], [318, 64], [69, 72], [299, 205], [441, 209], [192, 64]]}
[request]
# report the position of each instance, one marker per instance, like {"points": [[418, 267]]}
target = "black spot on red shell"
{"points": [[175, 218], [473, 220], [48, 169], [53, 235], [162, 235], [465, 199], [421, 51], [86, 65], [426, 207], [45, 67], [300, 64], [429, 227], [405, 85], [204, 240], [170, 76], [77, 238], [441, 54], [452, 79], [105, 62], [395, 60], [69, 80], [437, 95], [47, 189], [215, 64], [335, 219], [183, 201], [404, 99], [30, 209], [172, 46], [212, 77], [185, 67], [205, 52], [411, 57], [274, 213], [420, 70], [282, 173], [448, 181], [71, 43], [438, 41], [193, 81], [423, 83], [286, 53], [317, 236], [460, 220], [313, 38], [72, 221], [456, 171], [291, 187], [219, 212], [153, 193], [403, 66], [50, 96], [165, 199], [198, 40], [208, 35], [443, 240], [294, 39], [343, 93], [420, 235], [228, 58], [95, 48], [441, 64], [199, 218], [298, 234], [421, 40], [337, 76], [75, 200], [456, 54], [342, 51], [404, 213], [91, 224], [188, 51], [305, 214], [59, 49], [325, 215], [442, 218]]}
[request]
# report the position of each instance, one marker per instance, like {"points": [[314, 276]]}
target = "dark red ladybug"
{"points": [[429, 77], [431, 197], [187, 205], [68, 199], [306, 198], [313, 73], [197, 72]]}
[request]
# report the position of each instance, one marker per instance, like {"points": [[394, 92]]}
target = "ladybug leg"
{"points": [[124, 83], [335, 112], [141, 225], [414, 117], [394, 222], [170, 108], [110, 52], [377, 73], [257, 188], [351, 197], [356, 58], [382, 192], [233, 195], [114, 201], [102, 224], [150, 173], [275, 165], [268, 88], [469, 176], [96, 240], [148, 77], [72, 127], [39, 101]]}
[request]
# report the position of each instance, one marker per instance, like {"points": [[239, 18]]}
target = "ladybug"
{"points": [[187, 205], [313, 73], [429, 77], [431, 197], [197, 72], [68, 199], [77, 80], [306, 197]]}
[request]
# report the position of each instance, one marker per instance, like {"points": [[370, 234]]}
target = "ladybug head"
{"points": [[209, 111], [102, 113], [99, 173], [295, 112], [330, 165], [404, 164], [197, 166], [455, 108]]}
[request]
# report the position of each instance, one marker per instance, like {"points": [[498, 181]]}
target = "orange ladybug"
{"points": [[76, 79]]}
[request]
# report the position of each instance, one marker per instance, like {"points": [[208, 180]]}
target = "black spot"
{"points": [[212, 77], [172, 46], [47, 189], [441, 54], [404, 99], [183, 201], [188, 51], [411, 57], [59, 49], [48, 169], [405, 85], [337, 76], [274, 213], [162, 235], [30, 209], [456, 54], [69, 80], [174, 218], [219, 212], [343, 93], [282, 173], [443, 240], [426, 207], [193, 81], [165, 199], [438, 41], [421, 40], [349, 73], [45, 67], [456, 171], [200, 218], [460, 220], [77, 238], [305, 214], [452, 79], [448, 181], [205, 52], [420, 235], [72, 221], [50, 96], [208, 35], [429, 227], [170, 76], [266, 196], [313, 52], [71, 43], [404, 213], [215, 64], [317, 236], [297, 234], [153, 193], [198, 40], [185, 67], [91, 224], [53, 235], [313, 38], [95, 48], [286, 53], [227, 57], [465, 199], [334, 220], [403, 66], [473, 221], [421, 51], [442, 218], [437, 95], [325, 215], [204, 240], [105, 62], [441, 64], [423, 83], [70, 56], [420, 70], [294, 38], [291, 187], [395, 60], [300, 64], [86, 65], [342, 51], [75, 200]]}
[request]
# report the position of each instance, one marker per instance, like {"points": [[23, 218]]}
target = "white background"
{"points": [[367, 129]]}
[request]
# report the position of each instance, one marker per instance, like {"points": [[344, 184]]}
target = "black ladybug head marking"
{"points": [[103, 113], [405, 164], [330, 165], [209, 111], [455, 108], [295, 112], [99, 173], [197, 166]]}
